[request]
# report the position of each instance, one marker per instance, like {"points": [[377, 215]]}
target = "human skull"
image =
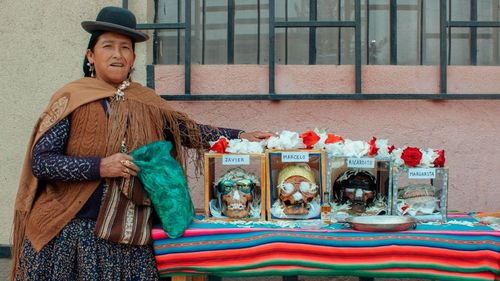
{"points": [[236, 188], [418, 199], [356, 187], [296, 189]]}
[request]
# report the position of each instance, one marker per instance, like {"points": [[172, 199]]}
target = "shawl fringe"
{"points": [[146, 114], [17, 238]]}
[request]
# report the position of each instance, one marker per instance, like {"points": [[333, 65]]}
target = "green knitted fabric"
{"points": [[166, 185]]}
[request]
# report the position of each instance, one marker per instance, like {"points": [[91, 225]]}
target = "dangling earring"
{"points": [[91, 69], [132, 69]]}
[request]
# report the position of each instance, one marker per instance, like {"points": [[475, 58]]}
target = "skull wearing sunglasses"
{"points": [[236, 189], [296, 188]]}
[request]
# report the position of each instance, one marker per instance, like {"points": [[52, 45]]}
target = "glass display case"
{"points": [[235, 186], [295, 184], [359, 186], [421, 193]]}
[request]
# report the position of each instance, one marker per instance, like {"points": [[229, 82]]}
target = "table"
{"points": [[451, 251]]}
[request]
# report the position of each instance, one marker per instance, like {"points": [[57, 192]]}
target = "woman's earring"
{"points": [[91, 69], [132, 69]]}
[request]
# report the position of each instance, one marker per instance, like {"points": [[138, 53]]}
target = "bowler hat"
{"points": [[115, 19]]}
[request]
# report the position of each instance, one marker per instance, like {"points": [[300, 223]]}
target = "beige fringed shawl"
{"points": [[140, 119]]}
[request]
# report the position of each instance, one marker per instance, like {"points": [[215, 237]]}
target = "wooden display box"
{"points": [[421, 193], [359, 186], [227, 194], [284, 201]]}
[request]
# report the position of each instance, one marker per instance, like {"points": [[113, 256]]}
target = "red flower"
{"points": [[391, 148], [333, 138], [404, 207], [373, 148], [220, 146], [439, 161], [309, 138], [411, 156]]}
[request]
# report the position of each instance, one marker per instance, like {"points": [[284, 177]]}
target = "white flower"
{"points": [[355, 148], [396, 156], [273, 142], [335, 149], [383, 148], [428, 158], [286, 140], [323, 135], [245, 146]]}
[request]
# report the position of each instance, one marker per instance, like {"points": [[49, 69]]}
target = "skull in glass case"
{"points": [[235, 192], [357, 187], [296, 188]]}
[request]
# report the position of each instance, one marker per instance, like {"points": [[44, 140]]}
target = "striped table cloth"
{"points": [[451, 251]]}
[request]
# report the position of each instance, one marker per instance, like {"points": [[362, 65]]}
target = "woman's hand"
{"points": [[118, 165], [255, 136]]}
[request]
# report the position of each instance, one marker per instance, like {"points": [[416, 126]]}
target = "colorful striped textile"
{"points": [[445, 252]]}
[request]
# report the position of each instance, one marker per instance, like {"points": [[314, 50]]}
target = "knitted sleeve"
{"points": [[49, 162], [208, 133]]}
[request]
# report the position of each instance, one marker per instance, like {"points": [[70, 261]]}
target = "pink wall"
{"points": [[298, 79], [467, 130]]}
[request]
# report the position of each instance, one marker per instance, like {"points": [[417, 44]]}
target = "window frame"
{"points": [[445, 26]]}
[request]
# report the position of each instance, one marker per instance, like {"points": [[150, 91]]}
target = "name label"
{"points": [[361, 162], [235, 159], [294, 157], [422, 173]]}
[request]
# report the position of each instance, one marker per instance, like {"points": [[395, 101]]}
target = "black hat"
{"points": [[115, 19]]}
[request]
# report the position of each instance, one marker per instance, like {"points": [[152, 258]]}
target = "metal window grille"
{"points": [[446, 24]]}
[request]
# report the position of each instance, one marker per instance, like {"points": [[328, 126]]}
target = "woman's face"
{"points": [[113, 57]]}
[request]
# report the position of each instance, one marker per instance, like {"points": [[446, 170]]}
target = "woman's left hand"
{"points": [[255, 136]]}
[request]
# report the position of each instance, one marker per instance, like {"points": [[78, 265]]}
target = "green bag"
{"points": [[164, 181]]}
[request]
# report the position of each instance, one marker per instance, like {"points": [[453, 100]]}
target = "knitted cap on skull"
{"points": [[302, 170]]}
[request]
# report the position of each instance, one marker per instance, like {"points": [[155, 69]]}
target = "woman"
{"points": [[67, 226]]}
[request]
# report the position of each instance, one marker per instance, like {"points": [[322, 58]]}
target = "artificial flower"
{"points": [[245, 146], [428, 157], [309, 138], [323, 135], [396, 156], [373, 147], [219, 146], [411, 156], [286, 140], [391, 148], [384, 150], [335, 149], [333, 139], [439, 161], [355, 148]]}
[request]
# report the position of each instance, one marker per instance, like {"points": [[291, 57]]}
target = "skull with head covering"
{"points": [[236, 189], [358, 187], [296, 188]]}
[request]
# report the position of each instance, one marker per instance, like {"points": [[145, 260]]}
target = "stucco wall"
{"points": [[321, 79]]}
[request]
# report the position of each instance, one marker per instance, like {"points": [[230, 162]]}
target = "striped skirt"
{"points": [[77, 254]]}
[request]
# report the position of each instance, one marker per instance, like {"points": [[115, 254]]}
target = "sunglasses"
{"points": [[243, 185]]}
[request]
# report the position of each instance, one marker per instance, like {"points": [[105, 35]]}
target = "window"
{"points": [[441, 33], [405, 32]]}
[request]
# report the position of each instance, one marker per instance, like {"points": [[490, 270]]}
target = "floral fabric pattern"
{"points": [[77, 254]]}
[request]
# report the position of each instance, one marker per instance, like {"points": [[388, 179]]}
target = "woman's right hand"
{"points": [[118, 165]]}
